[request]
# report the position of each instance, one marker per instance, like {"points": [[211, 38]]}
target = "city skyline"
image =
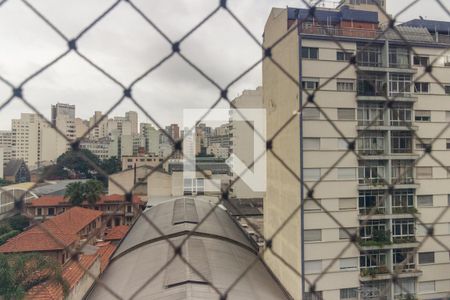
{"points": [[73, 81]]}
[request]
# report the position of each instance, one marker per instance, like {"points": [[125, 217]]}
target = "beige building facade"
{"points": [[382, 195]]}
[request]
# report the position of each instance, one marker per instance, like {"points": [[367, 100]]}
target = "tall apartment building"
{"points": [[101, 129], [6, 145], [63, 118], [26, 138], [127, 125], [174, 131], [385, 181], [151, 136]]}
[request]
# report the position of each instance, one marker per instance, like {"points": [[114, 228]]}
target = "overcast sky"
{"points": [[126, 46]]}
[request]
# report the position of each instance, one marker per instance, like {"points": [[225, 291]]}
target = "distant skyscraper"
{"points": [[63, 118]]}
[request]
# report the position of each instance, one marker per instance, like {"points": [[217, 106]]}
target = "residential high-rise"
{"points": [[174, 131], [101, 129], [26, 138], [151, 135], [63, 118], [127, 125], [375, 195], [6, 145]]}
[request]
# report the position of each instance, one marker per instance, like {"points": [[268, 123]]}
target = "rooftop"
{"points": [[55, 200], [219, 249], [117, 233], [72, 274], [54, 234]]}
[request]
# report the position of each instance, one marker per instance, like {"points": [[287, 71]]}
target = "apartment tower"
{"points": [[379, 195]]}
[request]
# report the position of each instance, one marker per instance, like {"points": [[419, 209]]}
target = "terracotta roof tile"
{"points": [[117, 233], [105, 251], [54, 234], [72, 274]]}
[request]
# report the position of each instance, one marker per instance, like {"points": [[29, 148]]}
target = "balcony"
{"points": [[404, 239], [374, 271], [404, 210], [308, 28], [379, 238]]}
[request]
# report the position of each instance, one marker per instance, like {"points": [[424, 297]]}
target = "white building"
{"points": [[99, 147], [26, 141], [99, 126], [151, 136], [373, 195], [63, 117], [218, 151], [1, 162], [242, 136]]}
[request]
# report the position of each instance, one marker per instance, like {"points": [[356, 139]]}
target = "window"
{"points": [[313, 266], [347, 233], [39, 211], [402, 200], [447, 142], [310, 53], [404, 286], [447, 89], [401, 114], [347, 203], [372, 202], [310, 84], [349, 293], [373, 84], [422, 87], [401, 142], [348, 263], [404, 257], [423, 116], [400, 85], [346, 173], [425, 200], [426, 258], [344, 56], [403, 228], [345, 86], [427, 287], [371, 143], [447, 116], [370, 114], [421, 60], [311, 113], [311, 143], [424, 172], [311, 205], [313, 296], [367, 55], [422, 145], [51, 211], [371, 172], [312, 235], [448, 199], [311, 174], [399, 57], [346, 114]]}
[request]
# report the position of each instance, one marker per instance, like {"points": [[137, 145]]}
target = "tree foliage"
{"points": [[21, 272], [73, 165], [89, 191], [18, 222]]}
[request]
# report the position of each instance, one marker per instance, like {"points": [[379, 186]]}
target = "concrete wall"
{"points": [[281, 100], [125, 179]]}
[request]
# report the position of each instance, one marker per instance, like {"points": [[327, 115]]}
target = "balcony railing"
{"points": [[372, 210], [373, 271], [307, 28], [378, 238], [404, 239], [404, 210]]}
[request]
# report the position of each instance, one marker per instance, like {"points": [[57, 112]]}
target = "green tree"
{"points": [[4, 182], [75, 162], [111, 165], [93, 189], [21, 272], [75, 193], [78, 192], [18, 222]]}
